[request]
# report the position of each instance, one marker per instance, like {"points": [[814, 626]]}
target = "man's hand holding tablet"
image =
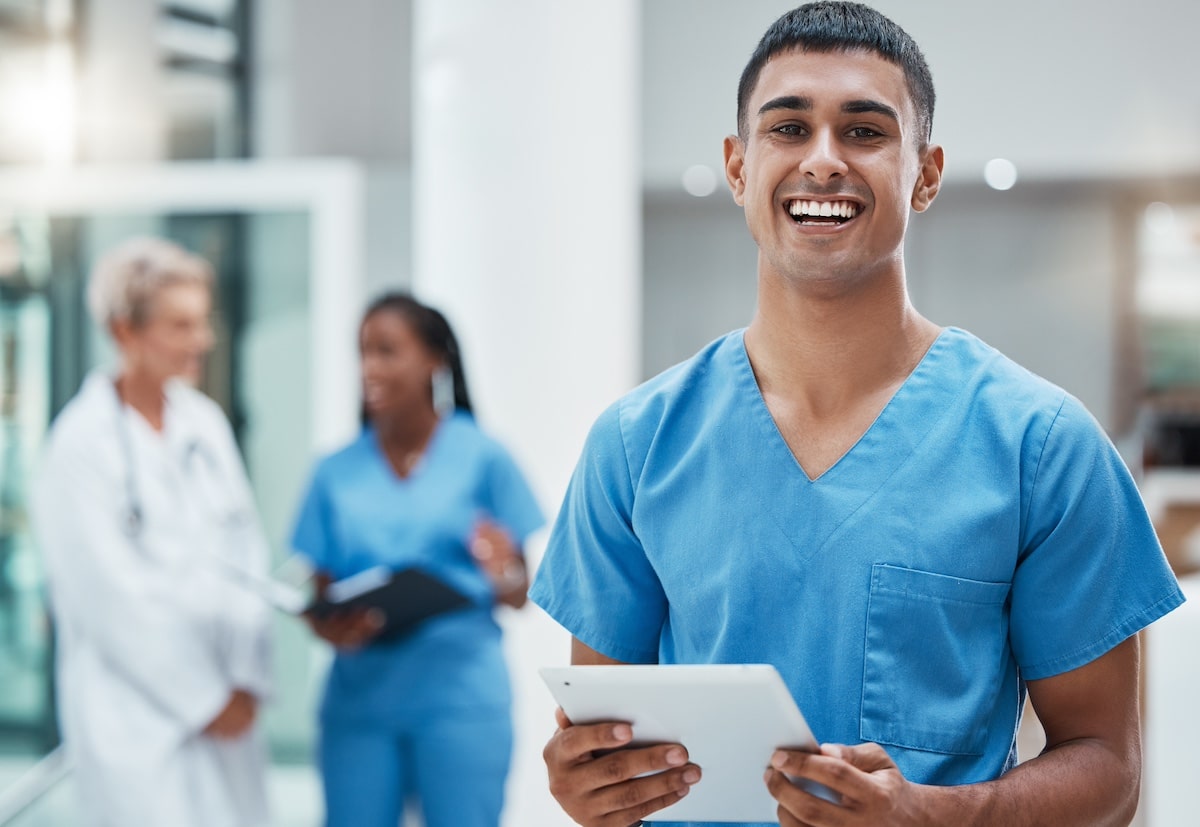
{"points": [[693, 742]]}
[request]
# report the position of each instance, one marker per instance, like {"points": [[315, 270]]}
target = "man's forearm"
{"points": [[1084, 783]]}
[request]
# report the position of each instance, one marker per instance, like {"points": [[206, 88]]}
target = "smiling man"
{"points": [[914, 530]]}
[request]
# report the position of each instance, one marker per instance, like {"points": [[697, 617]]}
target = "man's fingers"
{"points": [[561, 718], [866, 757], [577, 743], [823, 775], [627, 764], [825, 768], [638, 797], [602, 784], [633, 815], [844, 770], [804, 806]]}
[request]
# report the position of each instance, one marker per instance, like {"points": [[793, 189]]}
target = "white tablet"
{"points": [[731, 718]]}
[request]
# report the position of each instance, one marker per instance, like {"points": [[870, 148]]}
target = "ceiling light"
{"points": [[699, 180], [1000, 174]]}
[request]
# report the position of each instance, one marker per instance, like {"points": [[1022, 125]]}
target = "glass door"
{"points": [[285, 240], [26, 704]]}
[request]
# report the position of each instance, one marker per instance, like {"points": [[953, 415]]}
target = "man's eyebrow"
{"points": [[800, 103], [860, 107], [793, 102]]}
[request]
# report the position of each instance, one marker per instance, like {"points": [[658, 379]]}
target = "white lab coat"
{"points": [[153, 634]]}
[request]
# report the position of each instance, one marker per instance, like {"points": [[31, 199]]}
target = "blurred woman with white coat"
{"points": [[142, 511]]}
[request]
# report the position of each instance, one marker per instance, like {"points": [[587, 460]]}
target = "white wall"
{"points": [[332, 79], [698, 275]]}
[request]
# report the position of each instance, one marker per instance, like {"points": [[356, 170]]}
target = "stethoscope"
{"points": [[135, 515]]}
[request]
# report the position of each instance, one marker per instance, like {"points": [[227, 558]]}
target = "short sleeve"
{"points": [[594, 578], [510, 500], [312, 535], [1091, 571]]}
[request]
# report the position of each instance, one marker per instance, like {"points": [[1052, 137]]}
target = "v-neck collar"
{"points": [[420, 467], [851, 482], [911, 385]]}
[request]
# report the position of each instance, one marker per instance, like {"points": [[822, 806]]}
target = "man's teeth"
{"points": [[838, 209]]}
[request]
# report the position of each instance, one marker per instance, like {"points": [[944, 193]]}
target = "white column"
{"points": [[122, 97], [527, 233]]}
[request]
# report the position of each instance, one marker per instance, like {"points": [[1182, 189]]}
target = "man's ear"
{"points": [[929, 181], [734, 167]]}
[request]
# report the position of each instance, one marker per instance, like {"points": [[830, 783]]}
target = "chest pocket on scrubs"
{"points": [[935, 655]]}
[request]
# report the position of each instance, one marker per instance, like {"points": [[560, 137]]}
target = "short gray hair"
{"points": [[125, 279]]}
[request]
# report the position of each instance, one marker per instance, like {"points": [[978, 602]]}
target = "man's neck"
{"points": [[824, 353], [145, 395]]}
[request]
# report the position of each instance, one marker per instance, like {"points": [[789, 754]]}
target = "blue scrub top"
{"points": [[358, 513], [983, 532]]}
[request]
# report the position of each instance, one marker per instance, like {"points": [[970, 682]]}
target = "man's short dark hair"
{"points": [[828, 26]]}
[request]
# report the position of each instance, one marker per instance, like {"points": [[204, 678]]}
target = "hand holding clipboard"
{"points": [[375, 604], [379, 605]]}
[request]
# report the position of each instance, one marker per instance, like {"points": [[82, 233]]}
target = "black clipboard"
{"points": [[406, 598]]}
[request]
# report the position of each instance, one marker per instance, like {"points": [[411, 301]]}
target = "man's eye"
{"points": [[790, 129], [863, 132]]}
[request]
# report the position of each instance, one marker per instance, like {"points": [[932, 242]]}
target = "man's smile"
{"points": [[822, 213]]}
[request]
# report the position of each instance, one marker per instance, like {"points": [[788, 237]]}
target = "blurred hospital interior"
{"points": [[550, 175]]}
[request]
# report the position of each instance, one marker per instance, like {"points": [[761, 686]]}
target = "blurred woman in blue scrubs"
{"points": [[426, 715]]}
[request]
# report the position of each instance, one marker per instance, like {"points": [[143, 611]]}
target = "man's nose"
{"points": [[822, 159]]}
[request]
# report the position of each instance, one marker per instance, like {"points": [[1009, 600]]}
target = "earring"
{"points": [[443, 391]]}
